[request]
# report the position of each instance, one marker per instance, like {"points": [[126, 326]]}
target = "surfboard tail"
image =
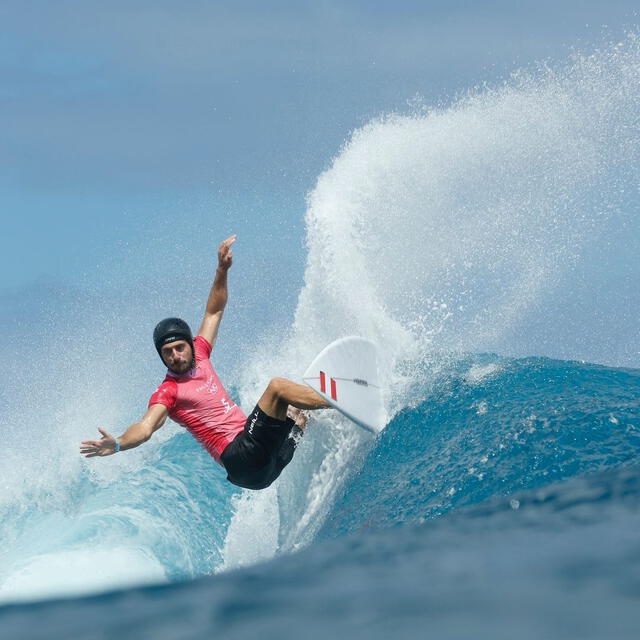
{"points": [[345, 373]]}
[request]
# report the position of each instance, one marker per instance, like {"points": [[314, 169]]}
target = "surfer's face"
{"points": [[178, 356]]}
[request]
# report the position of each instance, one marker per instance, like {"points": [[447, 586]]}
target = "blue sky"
{"points": [[126, 124]]}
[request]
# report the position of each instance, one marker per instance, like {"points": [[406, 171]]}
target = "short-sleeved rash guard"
{"points": [[197, 401]]}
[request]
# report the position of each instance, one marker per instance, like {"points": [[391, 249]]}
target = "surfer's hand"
{"points": [[103, 447], [225, 254]]}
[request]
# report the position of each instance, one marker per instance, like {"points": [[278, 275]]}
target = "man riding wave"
{"points": [[253, 450]]}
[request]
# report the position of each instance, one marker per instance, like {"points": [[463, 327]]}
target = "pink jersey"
{"points": [[198, 401]]}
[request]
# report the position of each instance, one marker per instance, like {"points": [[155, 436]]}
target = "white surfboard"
{"points": [[345, 374]]}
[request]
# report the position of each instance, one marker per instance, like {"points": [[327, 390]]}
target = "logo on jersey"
{"points": [[226, 405], [209, 386]]}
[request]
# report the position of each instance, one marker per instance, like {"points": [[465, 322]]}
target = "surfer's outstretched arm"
{"points": [[135, 435], [218, 295]]}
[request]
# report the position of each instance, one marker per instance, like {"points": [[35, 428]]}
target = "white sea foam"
{"points": [[479, 373], [482, 226], [253, 533]]}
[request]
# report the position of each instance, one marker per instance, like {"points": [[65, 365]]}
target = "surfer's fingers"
{"points": [[105, 434], [225, 247]]}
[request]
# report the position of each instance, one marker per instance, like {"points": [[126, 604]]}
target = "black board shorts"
{"points": [[259, 453]]}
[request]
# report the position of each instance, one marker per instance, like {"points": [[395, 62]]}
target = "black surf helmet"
{"points": [[170, 330]]}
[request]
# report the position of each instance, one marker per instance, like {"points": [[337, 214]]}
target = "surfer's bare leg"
{"points": [[280, 393]]}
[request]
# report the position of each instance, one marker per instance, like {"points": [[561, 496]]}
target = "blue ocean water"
{"points": [[501, 500], [522, 425], [502, 506]]}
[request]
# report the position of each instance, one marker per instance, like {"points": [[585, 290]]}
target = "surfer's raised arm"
{"points": [[219, 293], [135, 435]]}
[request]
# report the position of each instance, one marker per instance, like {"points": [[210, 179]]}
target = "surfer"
{"points": [[253, 450]]}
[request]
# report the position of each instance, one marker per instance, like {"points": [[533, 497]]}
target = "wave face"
{"points": [[504, 223], [498, 428]]}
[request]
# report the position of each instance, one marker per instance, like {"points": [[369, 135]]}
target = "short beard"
{"points": [[187, 368]]}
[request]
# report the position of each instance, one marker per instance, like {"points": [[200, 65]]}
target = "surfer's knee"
{"points": [[276, 387]]}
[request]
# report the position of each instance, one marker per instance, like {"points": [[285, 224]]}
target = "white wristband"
{"points": [[117, 447]]}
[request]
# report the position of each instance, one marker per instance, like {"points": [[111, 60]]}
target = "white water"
{"points": [[496, 224], [72, 526]]}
